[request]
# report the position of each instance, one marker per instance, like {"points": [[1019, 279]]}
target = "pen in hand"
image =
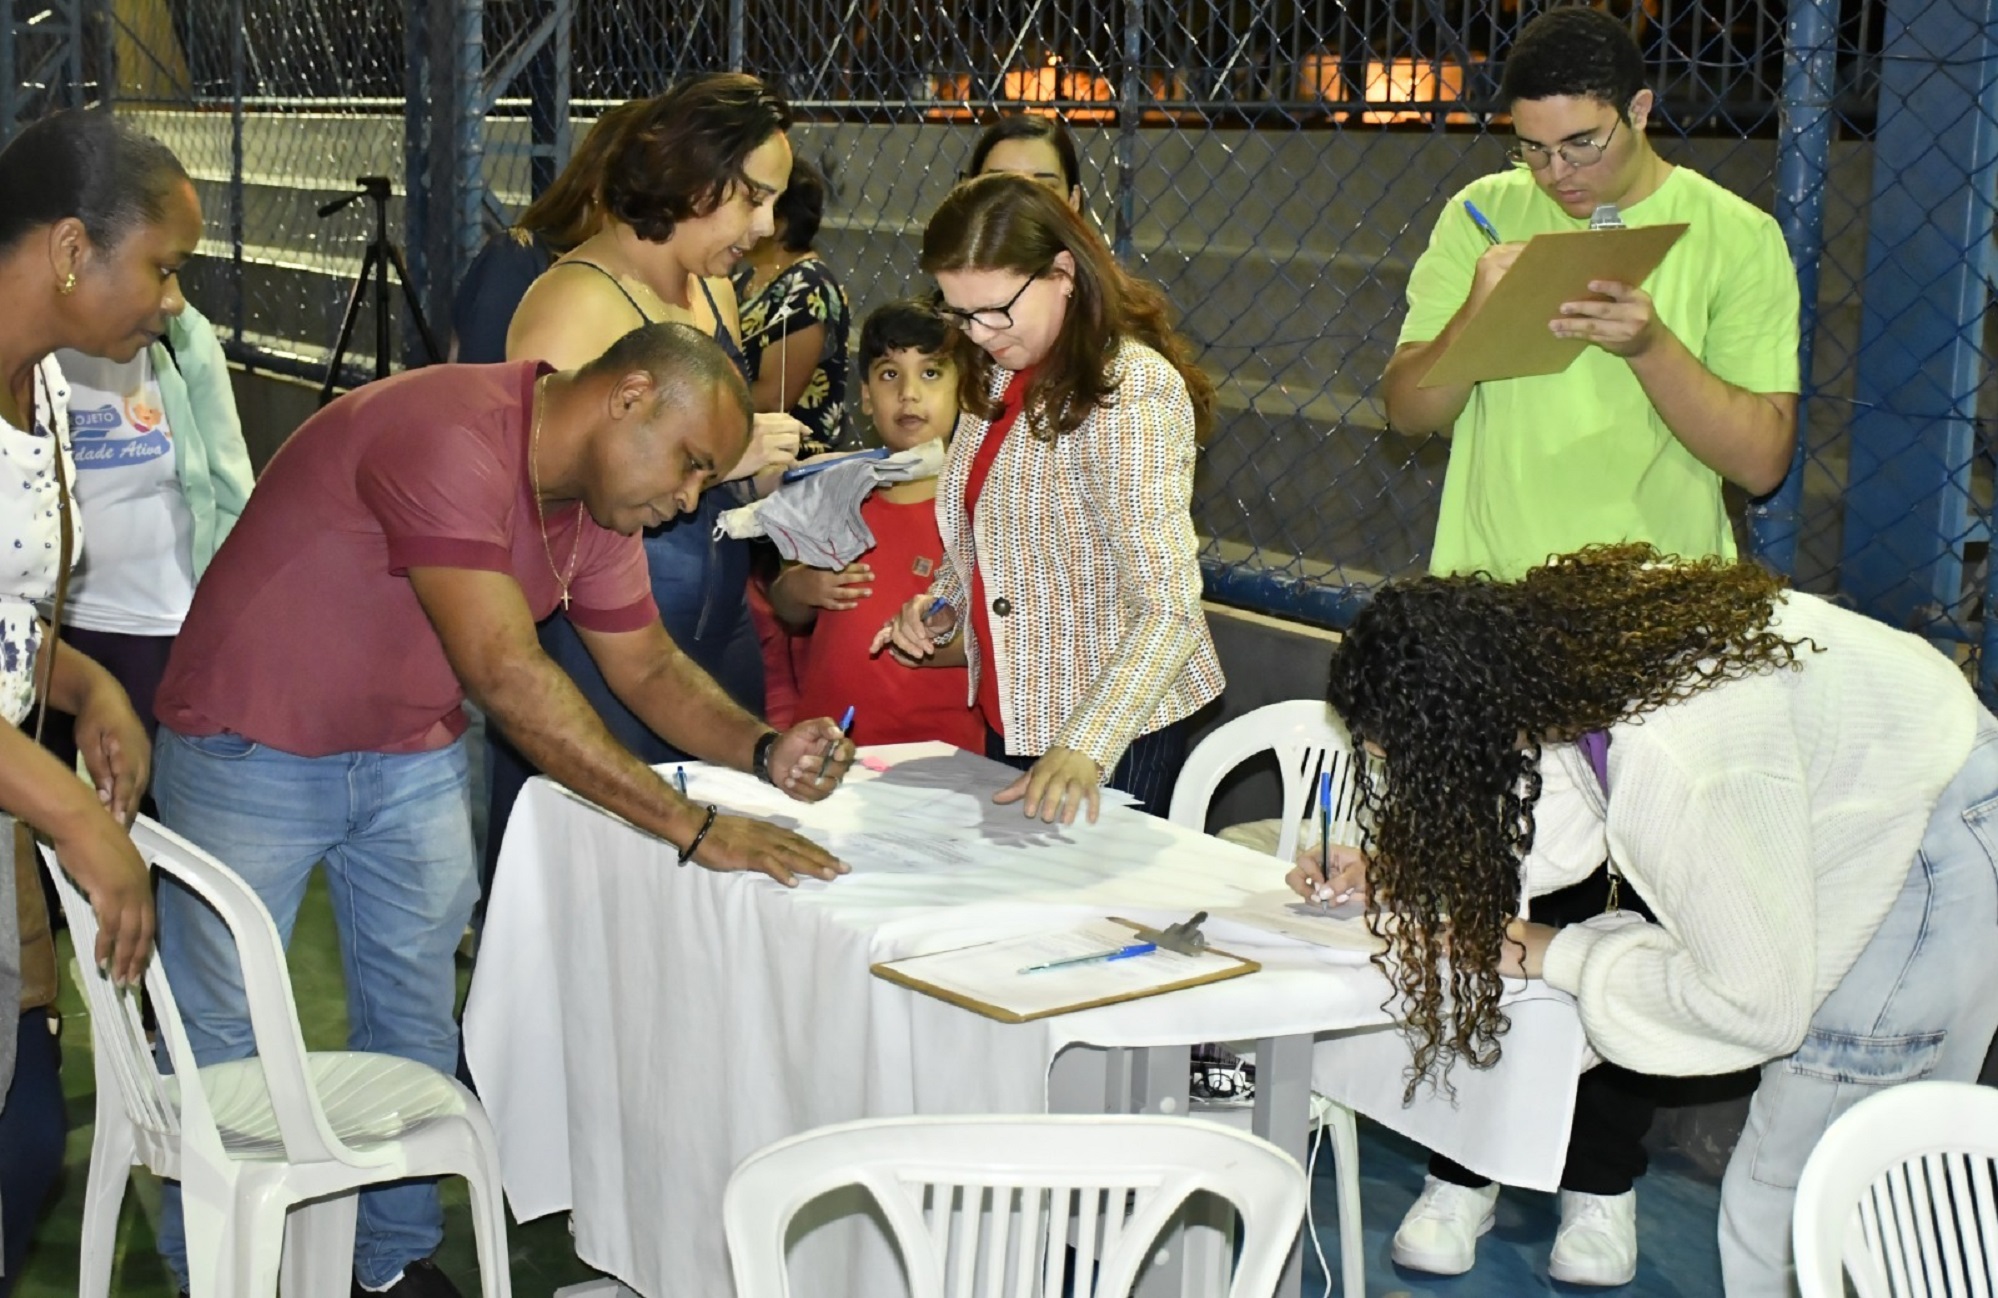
{"points": [[825, 763], [680, 779], [1325, 837], [1485, 227]]}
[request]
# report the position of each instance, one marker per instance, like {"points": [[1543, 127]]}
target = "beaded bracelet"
{"points": [[687, 852]]}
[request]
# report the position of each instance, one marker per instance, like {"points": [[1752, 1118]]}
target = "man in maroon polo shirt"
{"points": [[395, 558]]}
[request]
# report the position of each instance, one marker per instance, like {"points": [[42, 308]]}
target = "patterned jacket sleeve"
{"points": [[1137, 474]]}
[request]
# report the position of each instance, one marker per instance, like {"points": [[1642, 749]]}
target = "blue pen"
{"points": [[825, 763], [1096, 957], [796, 472], [1325, 832], [1485, 227], [936, 607], [680, 778]]}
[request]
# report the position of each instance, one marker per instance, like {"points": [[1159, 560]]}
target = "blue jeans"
{"points": [[1917, 1003], [394, 830]]}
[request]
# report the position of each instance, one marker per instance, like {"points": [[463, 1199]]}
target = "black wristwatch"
{"points": [[759, 762]]}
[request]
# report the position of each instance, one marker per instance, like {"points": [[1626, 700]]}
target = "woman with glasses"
{"points": [[1071, 585], [688, 186]]}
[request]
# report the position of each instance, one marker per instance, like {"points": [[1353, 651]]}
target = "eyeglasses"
{"points": [[1576, 153], [995, 318]]}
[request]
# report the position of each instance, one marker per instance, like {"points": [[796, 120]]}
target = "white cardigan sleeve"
{"points": [[1726, 978]]}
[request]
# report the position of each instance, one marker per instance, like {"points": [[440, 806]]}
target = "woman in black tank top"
{"points": [[686, 187]]}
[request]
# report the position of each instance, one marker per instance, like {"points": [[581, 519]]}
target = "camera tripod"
{"points": [[381, 255]]}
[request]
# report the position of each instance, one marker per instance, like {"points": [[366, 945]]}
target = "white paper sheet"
{"points": [[1343, 930]]}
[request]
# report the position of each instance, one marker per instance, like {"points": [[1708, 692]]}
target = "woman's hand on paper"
{"points": [[1626, 325], [1062, 783], [737, 843], [1334, 882]]}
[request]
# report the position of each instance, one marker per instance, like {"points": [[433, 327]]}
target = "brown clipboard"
{"points": [[889, 972], [1508, 337]]}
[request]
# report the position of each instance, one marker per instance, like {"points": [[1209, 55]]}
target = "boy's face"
{"points": [[911, 396]]}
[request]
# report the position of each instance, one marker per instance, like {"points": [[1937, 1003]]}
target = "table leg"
{"points": [[1153, 1081], [1283, 1117]]}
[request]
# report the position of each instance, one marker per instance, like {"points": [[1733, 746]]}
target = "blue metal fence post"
{"points": [[468, 192], [10, 75], [1130, 90], [457, 148], [547, 78], [1923, 304], [1803, 165], [416, 166], [239, 310]]}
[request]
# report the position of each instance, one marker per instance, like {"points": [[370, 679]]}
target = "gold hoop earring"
{"points": [[68, 284]]}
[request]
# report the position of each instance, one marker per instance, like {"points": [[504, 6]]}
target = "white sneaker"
{"points": [[1440, 1233], [1597, 1242]]}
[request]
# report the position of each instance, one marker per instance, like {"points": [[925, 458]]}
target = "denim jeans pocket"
{"points": [[1801, 1096], [1982, 822], [227, 746], [1867, 1060]]}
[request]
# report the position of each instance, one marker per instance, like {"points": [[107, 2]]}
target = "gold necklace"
{"points": [[562, 579]]}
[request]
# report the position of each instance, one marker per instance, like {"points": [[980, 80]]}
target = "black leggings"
{"points": [[33, 1127]]}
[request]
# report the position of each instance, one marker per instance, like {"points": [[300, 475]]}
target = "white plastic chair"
{"points": [[982, 1205], [1901, 1194], [1308, 738], [269, 1150]]}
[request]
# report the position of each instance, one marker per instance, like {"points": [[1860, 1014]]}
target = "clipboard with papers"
{"points": [[993, 978], [1508, 337]]}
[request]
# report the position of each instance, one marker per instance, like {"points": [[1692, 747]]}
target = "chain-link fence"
{"points": [[1275, 166]]}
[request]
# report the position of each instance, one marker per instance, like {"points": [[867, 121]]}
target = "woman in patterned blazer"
{"points": [[1071, 582]]}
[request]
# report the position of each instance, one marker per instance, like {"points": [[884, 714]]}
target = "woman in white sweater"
{"points": [[1807, 799]]}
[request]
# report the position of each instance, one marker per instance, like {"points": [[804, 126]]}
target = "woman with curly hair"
{"points": [[1804, 797]]}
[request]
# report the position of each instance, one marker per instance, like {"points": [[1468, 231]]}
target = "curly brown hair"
{"points": [[686, 149], [1007, 222], [1458, 681]]}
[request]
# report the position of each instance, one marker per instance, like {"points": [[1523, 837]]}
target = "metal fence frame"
{"points": [[1917, 78]]}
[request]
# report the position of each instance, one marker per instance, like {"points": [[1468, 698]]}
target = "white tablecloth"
{"points": [[636, 1029]]}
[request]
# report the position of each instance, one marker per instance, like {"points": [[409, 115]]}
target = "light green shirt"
{"points": [[1546, 465]]}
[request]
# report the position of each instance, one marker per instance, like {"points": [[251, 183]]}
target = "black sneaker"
{"points": [[420, 1279]]}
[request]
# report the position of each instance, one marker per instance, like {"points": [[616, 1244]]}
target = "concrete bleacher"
{"points": [[1285, 252]]}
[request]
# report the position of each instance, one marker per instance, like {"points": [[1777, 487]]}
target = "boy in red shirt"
{"points": [[909, 390]]}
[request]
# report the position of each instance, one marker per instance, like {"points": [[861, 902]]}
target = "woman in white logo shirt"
{"points": [[96, 220], [162, 474]]}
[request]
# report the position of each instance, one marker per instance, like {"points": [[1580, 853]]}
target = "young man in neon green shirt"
{"points": [[1691, 379]]}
